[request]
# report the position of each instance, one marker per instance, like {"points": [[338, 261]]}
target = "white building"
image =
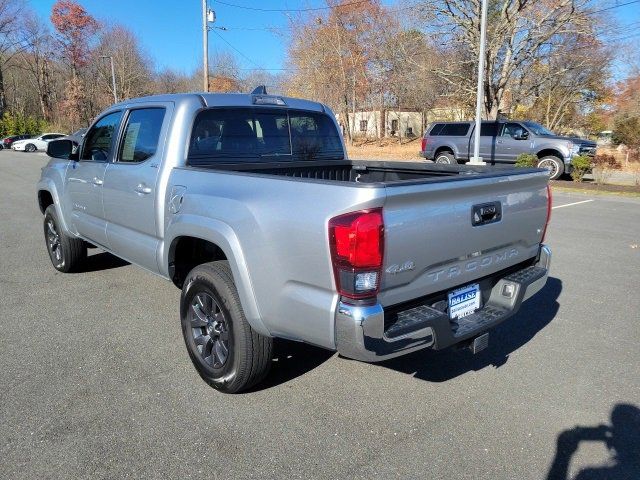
{"points": [[393, 123]]}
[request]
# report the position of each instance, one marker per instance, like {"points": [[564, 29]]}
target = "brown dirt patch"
{"points": [[592, 187]]}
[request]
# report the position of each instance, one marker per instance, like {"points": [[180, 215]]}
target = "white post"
{"points": [[113, 77], [477, 159], [205, 47]]}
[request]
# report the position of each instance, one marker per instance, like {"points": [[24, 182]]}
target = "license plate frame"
{"points": [[464, 301]]}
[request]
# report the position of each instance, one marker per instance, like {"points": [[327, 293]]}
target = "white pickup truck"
{"points": [[249, 204]]}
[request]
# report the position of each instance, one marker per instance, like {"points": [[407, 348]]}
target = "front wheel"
{"points": [[66, 253], [227, 353], [554, 165], [30, 147]]}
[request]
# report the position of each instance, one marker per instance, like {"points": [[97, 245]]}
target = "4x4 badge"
{"points": [[405, 267]]}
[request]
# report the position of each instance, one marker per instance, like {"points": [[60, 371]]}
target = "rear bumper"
{"points": [[361, 333]]}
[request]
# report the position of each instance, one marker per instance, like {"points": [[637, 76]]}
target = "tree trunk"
{"points": [[353, 105], [3, 103], [399, 127], [382, 131], [45, 91], [345, 114]]}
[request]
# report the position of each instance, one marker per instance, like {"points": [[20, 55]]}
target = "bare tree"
{"points": [[36, 59], [519, 33], [11, 39], [133, 66], [171, 81], [566, 83], [331, 55]]}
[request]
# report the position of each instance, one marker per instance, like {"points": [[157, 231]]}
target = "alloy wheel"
{"points": [[209, 330], [53, 244], [550, 166]]}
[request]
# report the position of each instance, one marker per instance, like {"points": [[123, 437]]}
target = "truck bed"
{"points": [[369, 171]]}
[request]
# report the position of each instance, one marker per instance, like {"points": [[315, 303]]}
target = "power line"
{"points": [[285, 10], [613, 7], [282, 69], [359, 2], [238, 51]]}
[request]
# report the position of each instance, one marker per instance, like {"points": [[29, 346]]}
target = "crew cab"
{"points": [[250, 205], [501, 142]]}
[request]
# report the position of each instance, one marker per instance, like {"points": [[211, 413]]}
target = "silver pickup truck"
{"points": [[249, 204], [501, 142]]}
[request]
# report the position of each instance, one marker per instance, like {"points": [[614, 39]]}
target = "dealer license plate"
{"points": [[464, 301]]}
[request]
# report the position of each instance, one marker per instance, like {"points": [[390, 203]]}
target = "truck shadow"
{"points": [[621, 438], [291, 360], [101, 261], [440, 366]]}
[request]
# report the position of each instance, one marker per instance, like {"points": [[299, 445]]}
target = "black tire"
{"points": [[554, 165], [209, 330], [445, 158], [30, 147], [66, 253]]}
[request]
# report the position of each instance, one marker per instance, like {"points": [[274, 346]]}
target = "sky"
{"points": [[171, 30]]}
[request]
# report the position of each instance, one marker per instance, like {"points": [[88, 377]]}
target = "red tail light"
{"points": [[357, 246], [423, 144], [549, 204]]}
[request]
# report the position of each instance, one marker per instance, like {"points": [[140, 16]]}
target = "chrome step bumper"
{"points": [[361, 333]]}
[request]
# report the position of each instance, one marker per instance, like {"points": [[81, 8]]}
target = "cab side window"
{"points": [[98, 141], [141, 135], [513, 130]]}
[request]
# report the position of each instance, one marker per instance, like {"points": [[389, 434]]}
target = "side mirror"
{"points": [[522, 135], [64, 149]]}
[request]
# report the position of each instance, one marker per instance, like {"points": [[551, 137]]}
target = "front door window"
{"points": [[99, 140]]}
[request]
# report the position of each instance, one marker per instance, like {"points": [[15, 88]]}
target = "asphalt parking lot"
{"points": [[95, 381]]}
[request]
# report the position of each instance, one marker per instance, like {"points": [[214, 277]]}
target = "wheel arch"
{"points": [[550, 152], [445, 148], [47, 195], [44, 200], [192, 241]]}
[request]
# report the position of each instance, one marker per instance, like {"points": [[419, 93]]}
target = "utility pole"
{"points": [[205, 47], [477, 159], [113, 78]]}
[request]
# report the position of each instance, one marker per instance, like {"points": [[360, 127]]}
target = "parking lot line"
{"points": [[570, 204]]}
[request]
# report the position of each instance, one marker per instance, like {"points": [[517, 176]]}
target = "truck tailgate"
{"points": [[432, 245]]}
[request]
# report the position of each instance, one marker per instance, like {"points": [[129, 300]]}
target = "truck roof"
{"points": [[226, 100], [483, 121]]}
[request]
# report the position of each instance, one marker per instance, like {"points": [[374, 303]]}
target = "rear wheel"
{"points": [[445, 158], [66, 252], [554, 165], [227, 353]]}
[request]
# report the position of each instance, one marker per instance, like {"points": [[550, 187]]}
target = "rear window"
{"points": [[450, 129], [435, 130], [254, 135]]}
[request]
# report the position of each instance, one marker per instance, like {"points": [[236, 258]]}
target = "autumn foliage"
{"points": [[75, 29]]}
